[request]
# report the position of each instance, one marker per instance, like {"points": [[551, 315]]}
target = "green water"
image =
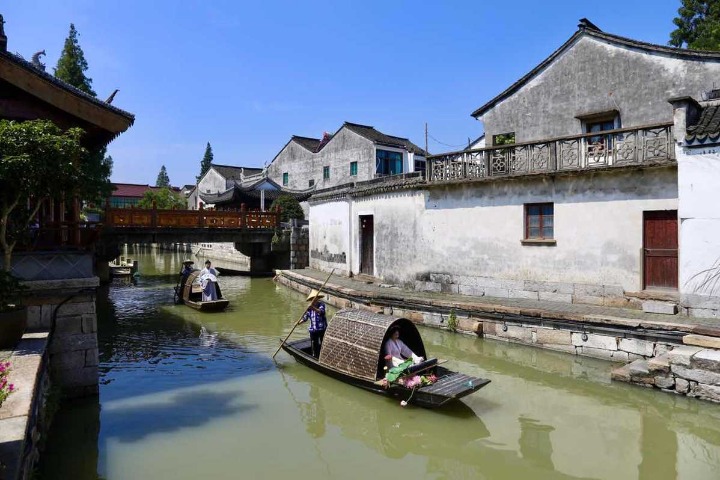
{"points": [[187, 395]]}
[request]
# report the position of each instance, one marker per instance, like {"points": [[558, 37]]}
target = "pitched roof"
{"points": [[307, 143], [130, 189], [380, 138], [237, 193], [707, 126], [45, 87], [235, 173], [587, 28]]}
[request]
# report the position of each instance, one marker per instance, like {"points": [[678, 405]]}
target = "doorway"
{"points": [[367, 244], [660, 249]]}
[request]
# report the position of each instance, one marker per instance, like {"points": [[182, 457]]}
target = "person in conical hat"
{"points": [[315, 313]]}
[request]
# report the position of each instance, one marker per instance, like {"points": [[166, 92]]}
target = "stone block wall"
{"points": [[299, 248], [73, 345], [607, 295]]}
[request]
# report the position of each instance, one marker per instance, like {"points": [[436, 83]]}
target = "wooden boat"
{"points": [[191, 295], [352, 353]]}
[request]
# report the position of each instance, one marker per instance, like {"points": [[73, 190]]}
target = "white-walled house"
{"points": [[218, 179], [354, 153], [573, 198]]}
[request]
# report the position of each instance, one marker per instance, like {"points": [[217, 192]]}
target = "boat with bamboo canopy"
{"points": [[352, 352]]}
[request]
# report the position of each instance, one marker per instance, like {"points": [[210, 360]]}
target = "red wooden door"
{"points": [[367, 247], [660, 247]]}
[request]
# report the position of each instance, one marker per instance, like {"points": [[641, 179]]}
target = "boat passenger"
{"points": [[318, 322], [186, 270], [208, 282], [396, 352]]}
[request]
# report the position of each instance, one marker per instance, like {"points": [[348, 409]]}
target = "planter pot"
{"points": [[12, 327]]}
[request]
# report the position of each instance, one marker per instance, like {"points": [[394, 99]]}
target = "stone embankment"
{"points": [[610, 333]]}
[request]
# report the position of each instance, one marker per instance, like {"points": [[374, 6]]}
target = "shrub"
{"points": [[6, 388], [290, 208]]}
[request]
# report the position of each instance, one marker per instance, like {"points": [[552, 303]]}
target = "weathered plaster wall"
{"points": [[475, 230], [330, 236], [212, 182], [594, 76], [699, 214], [302, 165]]}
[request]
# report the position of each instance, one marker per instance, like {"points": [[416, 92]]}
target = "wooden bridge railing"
{"points": [[154, 218]]}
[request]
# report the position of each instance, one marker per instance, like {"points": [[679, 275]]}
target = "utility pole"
{"points": [[426, 135]]}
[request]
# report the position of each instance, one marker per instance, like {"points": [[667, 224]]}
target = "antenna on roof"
{"points": [[586, 24]]}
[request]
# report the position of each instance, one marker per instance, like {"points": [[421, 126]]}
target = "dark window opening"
{"points": [[326, 173], [311, 183], [539, 221], [353, 169], [420, 165], [388, 163], [286, 179]]}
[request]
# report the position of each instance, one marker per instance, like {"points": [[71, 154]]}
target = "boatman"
{"points": [[187, 269], [318, 323]]}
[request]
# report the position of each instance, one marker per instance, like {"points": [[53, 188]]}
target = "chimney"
{"points": [[3, 37], [686, 112]]}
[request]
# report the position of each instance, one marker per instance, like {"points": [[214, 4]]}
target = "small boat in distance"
{"points": [[352, 352], [190, 293]]}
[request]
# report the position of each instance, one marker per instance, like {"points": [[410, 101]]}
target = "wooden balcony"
{"points": [[622, 147]]}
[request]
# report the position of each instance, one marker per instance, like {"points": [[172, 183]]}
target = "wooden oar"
{"points": [[303, 314]]}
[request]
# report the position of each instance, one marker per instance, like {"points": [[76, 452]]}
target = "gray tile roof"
{"points": [[707, 126], [382, 139], [307, 143], [234, 173], [65, 86]]}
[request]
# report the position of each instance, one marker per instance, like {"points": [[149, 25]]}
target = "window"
{"points": [[388, 163], [286, 179], [353, 169], [419, 164], [311, 183], [539, 222], [326, 173], [504, 138], [600, 122]]}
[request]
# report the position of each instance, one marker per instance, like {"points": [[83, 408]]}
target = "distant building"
{"points": [[126, 195], [218, 179], [353, 153]]}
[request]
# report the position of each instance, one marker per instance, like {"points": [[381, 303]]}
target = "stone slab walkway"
{"points": [[374, 292]]}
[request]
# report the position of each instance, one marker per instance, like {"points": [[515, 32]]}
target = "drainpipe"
{"points": [[350, 238]]}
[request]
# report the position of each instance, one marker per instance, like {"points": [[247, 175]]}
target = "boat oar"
{"points": [[303, 314]]}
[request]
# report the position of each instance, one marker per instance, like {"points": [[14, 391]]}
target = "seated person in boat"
{"points": [[318, 322], [396, 352], [208, 282]]}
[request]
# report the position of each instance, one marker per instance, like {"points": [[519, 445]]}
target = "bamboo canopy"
{"points": [[354, 340]]}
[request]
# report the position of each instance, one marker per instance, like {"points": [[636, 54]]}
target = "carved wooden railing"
{"points": [[611, 148], [154, 218]]}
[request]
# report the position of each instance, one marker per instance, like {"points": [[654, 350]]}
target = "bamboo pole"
{"points": [[303, 314]]}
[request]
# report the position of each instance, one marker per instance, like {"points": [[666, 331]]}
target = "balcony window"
{"points": [[353, 169], [326, 173], [286, 179], [420, 165], [539, 221], [388, 163]]}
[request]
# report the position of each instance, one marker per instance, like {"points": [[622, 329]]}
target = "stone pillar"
{"points": [[299, 247], [67, 309]]}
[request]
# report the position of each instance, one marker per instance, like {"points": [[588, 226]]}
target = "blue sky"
{"points": [[245, 76]]}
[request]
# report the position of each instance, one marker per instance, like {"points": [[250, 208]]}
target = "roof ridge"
{"points": [[307, 138], [592, 31], [357, 124], [61, 83]]}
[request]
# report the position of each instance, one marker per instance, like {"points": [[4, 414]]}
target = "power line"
{"points": [[447, 144]]}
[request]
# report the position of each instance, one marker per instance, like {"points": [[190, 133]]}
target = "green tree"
{"points": [[206, 162], [164, 198], [698, 25], [290, 208], [162, 179], [71, 66], [38, 161]]}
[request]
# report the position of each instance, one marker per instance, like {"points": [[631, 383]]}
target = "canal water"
{"points": [[187, 395]]}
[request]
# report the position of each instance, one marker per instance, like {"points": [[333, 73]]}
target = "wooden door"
{"points": [[660, 248], [367, 246]]}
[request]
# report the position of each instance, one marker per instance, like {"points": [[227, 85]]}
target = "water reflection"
{"points": [[201, 392]]}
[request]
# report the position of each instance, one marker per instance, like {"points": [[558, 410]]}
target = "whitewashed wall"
{"points": [[330, 236], [699, 212], [476, 229]]}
